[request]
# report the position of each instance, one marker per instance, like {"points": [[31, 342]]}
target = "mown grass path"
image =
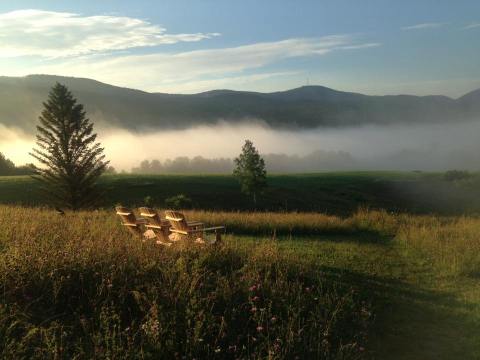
{"points": [[419, 314]]}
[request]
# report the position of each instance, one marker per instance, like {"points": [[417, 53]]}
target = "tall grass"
{"points": [[298, 223], [79, 286], [452, 245]]}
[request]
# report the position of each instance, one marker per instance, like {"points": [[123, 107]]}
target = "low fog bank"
{"points": [[210, 149]]}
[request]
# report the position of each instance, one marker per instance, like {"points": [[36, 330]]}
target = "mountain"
{"points": [[302, 108], [471, 103]]}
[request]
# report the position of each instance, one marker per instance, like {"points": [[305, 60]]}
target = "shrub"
{"points": [[178, 202], [456, 175]]}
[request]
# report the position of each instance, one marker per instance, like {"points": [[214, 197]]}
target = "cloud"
{"points": [[472, 26], [241, 82], [162, 70], [424, 26], [60, 34], [360, 46]]}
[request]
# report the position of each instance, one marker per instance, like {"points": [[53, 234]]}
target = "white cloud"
{"points": [[424, 26], [472, 26], [243, 82], [60, 34], [360, 46], [161, 70], [104, 47]]}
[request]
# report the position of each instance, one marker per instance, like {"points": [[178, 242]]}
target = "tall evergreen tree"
{"points": [[250, 171], [71, 161]]}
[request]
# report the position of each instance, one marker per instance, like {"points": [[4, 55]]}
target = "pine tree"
{"points": [[250, 171], [70, 160]]}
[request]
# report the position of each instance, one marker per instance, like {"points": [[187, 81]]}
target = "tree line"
{"points": [[8, 168], [278, 163]]}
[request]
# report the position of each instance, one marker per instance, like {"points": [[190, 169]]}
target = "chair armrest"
{"points": [[195, 223], [213, 228]]}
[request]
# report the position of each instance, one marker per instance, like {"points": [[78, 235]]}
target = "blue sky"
{"points": [[375, 47]]}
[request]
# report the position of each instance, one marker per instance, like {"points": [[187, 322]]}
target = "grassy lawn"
{"points": [[419, 313]]}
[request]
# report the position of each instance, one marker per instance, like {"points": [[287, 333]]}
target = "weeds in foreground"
{"points": [[78, 286]]}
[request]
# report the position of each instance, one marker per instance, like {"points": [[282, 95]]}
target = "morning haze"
{"points": [[327, 129]]}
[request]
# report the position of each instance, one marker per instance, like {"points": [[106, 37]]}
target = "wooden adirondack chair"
{"points": [[183, 230], [154, 224], [129, 220]]}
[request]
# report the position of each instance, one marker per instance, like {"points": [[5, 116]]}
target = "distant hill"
{"points": [[304, 107]]}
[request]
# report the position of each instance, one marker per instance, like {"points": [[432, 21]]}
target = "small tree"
{"points": [[71, 161], [250, 171]]}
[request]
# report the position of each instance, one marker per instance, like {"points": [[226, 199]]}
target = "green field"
{"points": [[339, 283], [334, 193]]}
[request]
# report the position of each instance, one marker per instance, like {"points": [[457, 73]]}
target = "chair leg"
{"points": [[218, 237]]}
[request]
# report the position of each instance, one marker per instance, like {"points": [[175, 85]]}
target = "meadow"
{"points": [[372, 285], [369, 282], [340, 193]]}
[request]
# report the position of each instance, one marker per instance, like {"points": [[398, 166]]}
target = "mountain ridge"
{"points": [[299, 108]]}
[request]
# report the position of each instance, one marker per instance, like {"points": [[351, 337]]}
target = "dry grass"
{"points": [[298, 223], [452, 245], [78, 286]]}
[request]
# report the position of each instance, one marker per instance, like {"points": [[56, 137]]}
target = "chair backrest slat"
{"points": [[155, 223], [127, 215], [151, 216], [128, 219], [177, 220]]}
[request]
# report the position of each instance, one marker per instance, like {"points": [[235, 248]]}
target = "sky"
{"points": [[380, 47]]}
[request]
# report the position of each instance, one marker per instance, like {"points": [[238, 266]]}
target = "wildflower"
{"points": [[255, 298], [259, 328], [273, 319], [254, 309]]}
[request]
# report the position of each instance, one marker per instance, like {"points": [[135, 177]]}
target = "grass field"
{"points": [[371, 285], [335, 193], [336, 266]]}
